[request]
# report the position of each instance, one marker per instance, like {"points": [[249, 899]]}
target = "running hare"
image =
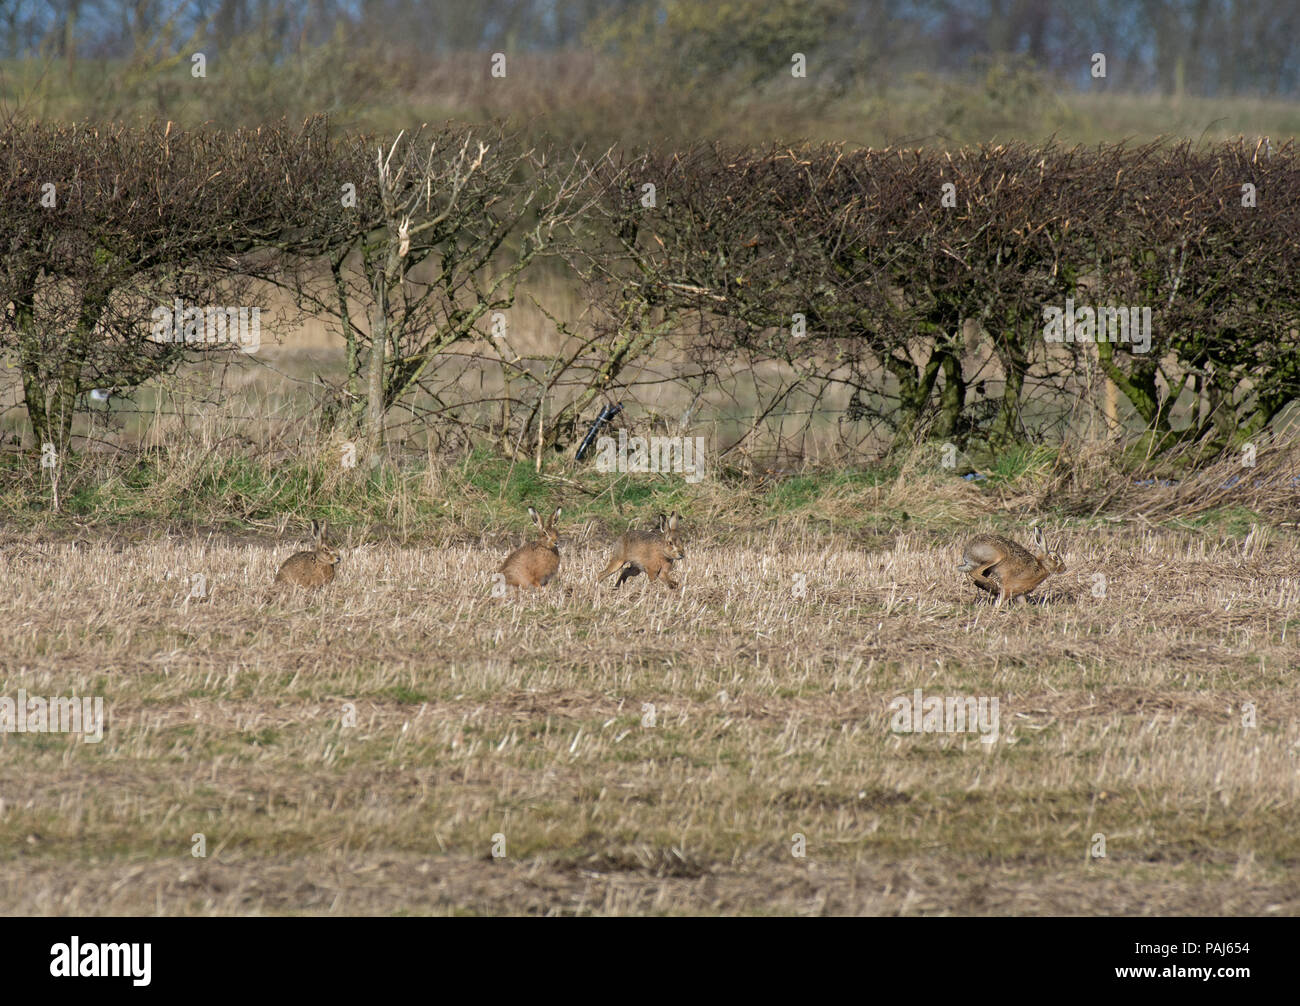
{"points": [[535, 564], [649, 552], [310, 569], [1002, 567]]}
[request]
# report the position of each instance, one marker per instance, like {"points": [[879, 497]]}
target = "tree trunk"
{"points": [[50, 400], [952, 397], [1006, 429], [914, 392], [374, 427]]}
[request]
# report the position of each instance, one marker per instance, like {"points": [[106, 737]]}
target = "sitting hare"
{"points": [[1002, 567], [650, 552], [310, 569], [535, 564]]}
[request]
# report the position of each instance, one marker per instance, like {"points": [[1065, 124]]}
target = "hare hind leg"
{"points": [[629, 571], [979, 576]]}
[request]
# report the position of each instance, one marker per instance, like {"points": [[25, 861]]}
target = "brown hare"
{"points": [[535, 564], [310, 569], [1009, 570], [649, 552]]}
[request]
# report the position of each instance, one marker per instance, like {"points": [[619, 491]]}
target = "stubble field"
{"points": [[405, 742]]}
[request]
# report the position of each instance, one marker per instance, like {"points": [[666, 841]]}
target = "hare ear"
{"points": [[1039, 540], [316, 530], [672, 522], [555, 516], [537, 518]]}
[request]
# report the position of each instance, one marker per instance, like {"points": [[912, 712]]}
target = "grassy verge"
{"points": [[467, 497]]}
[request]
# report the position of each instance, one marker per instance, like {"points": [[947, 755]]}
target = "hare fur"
{"points": [[310, 569], [1007, 569], [649, 552], [535, 564]]}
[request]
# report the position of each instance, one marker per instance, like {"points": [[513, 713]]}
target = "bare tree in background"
{"points": [[446, 223]]}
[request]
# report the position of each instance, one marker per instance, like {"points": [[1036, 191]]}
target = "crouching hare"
{"points": [[310, 569], [535, 564], [1009, 570], [649, 552]]}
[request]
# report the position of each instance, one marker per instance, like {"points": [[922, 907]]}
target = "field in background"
{"points": [[575, 98], [527, 720]]}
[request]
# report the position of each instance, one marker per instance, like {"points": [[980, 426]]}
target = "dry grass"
{"points": [[523, 716]]}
